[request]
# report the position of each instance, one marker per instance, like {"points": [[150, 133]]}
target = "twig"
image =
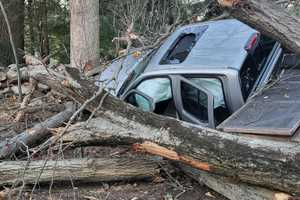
{"points": [[13, 48]]}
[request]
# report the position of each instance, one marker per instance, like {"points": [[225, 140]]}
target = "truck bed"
{"points": [[275, 111]]}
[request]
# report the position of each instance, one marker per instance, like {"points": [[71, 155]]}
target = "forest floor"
{"points": [[170, 184]]}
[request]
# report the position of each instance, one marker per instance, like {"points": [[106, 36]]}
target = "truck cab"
{"points": [[202, 73]]}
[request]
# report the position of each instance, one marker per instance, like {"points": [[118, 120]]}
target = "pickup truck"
{"points": [[202, 73]]}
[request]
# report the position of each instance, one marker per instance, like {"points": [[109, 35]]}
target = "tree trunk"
{"points": [[86, 170], [85, 37], [262, 162], [44, 37], [269, 18], [231, 189], [30, 14], [15, 12], [35, 134]]}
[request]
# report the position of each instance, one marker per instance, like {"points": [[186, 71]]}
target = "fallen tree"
{"points": [[85, 170], [82, 135], [231, 189], [266, 163], [267, 17], [35, 134]]}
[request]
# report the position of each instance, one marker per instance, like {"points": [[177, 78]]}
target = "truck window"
{"points": [[178, 53], [195, 101], [140, 100], [254, 64], [214, 87], [159, 89]]}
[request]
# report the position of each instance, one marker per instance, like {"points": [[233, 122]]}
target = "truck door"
{"points": [[194, 103], [153, 95]]}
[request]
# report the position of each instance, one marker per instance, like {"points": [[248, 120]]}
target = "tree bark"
{"points": [[30, 13], [271, 164], [44, 37], [15, 12], [269, 18], [35, 134], [231, 189], [85, 170], [85, 36]]}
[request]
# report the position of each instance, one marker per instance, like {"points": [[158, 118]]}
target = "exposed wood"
{"points": [[269, 18], [37, 133], [86, 170], [155, 149], [267, 163], [231, 189]]}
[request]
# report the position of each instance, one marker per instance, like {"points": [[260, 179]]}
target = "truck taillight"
{"points": [[252, 42]]}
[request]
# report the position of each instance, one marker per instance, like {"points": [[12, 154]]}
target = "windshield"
{"points": [[137, 71]]}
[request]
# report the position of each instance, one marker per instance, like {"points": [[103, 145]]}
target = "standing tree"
{"points": [[44, 38], [85, 37], [16, 20]]}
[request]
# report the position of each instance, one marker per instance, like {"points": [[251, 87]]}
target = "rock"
{"points": [[26, 87], [33, 70], [43, 87], [13, 75]]}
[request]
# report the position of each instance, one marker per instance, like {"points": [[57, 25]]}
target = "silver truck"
{"points": [[201, 74]]}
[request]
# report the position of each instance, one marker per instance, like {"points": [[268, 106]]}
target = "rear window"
{"points": [[254, 64], [183, 45], [181, 50]]}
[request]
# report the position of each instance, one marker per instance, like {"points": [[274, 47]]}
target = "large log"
{"points": [[85, 170], [267, 17], [80, 135], [35, 134], [271, 164], [231, 189]]}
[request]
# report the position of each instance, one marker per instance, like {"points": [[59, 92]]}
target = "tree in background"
{"points": [[43, 25], [15, 13], [85, 41]]}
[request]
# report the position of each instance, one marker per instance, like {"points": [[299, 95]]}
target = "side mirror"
{"points": [[140, 100], [290, 60]]}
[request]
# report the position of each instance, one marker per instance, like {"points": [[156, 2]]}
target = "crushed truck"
{"points": [[218, 74]]}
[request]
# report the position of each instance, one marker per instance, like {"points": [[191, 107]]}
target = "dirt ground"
{"points": [[127, 191], [171, 184]]}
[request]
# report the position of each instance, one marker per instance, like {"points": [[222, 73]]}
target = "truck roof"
{"points": [[221, 45]]}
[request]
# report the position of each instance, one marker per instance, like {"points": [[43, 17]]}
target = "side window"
{"points": [[181, 50], [140, 100], [194, 101], [160, 93], [254, 63]]}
